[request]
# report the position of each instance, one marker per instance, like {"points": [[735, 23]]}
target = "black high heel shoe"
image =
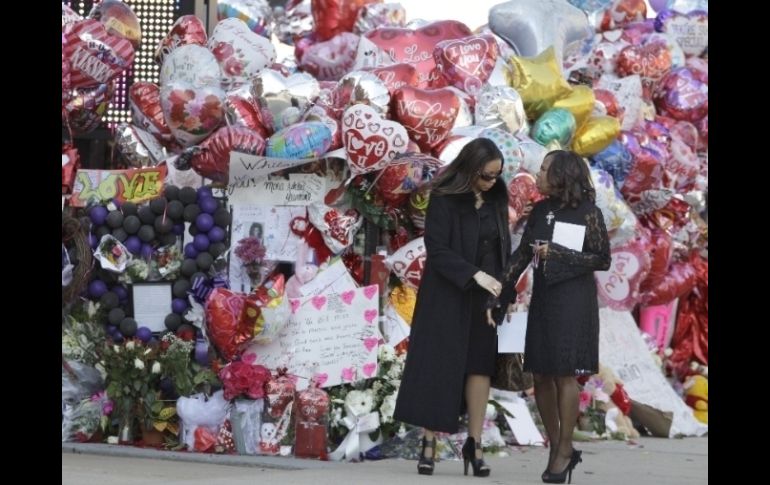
{"points": [[425, 465], [575, 455], [566, 474], [480, 469]]}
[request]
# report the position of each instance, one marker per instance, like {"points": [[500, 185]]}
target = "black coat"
{"points": [[431, 392]]}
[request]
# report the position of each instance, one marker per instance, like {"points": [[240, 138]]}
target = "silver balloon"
{"points": [[256, 13], [464, 113], [294, 22], [502, 107], [139, 148], [365, 88], [379, 15], [275, 93], [415, 24], [531, 26]]}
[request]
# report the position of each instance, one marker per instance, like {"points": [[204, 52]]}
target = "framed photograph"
{"points": [[152, 302]]}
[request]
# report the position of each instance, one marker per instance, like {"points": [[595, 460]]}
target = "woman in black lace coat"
{"points": [[562, 339]]}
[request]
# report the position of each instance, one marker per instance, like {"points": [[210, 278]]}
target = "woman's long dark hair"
{"points": [[458, 176], [569, 179]]}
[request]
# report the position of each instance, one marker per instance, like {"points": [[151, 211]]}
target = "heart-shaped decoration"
{"points": [[367, 145], [347, 296], [242, 108], [349, 374], [416, 46], [275, 92], [224, 309], [192, 113], [318, 301], [294, 304], [307, 139], [241, 53], [337, 226], [332, 17], [213, 160], [691, 31], [370, 291], [370, 315], [188, 29], [332, 59], [650, 61], [467, 63], [428, 115], [370, 343], [408, 262], [192, 64], [144, 98], [321, 378], [397, 76], [619, 287], [95, 56], [369, 369]]}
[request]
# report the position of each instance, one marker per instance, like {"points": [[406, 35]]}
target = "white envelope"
{"points": [[511, 333]]}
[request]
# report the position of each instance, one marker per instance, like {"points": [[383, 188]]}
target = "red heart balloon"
{"points": [[416, 46], [86, 107], [397, 76], [96, 57], [399, 180], [467, 63], [223, 316], [214, 160], [332, 59], [427, 115], [333, 17], [650, 61], [144, 98], [188, 29]]}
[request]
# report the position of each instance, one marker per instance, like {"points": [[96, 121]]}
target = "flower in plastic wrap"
{"points": [[280, 393], [201, 411], [387, 408], [112, 255], [242, 378], [360, 402]]}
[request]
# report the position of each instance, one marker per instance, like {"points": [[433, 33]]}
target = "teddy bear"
{"points": [[304, 271], [618, 406], [696, 391]]}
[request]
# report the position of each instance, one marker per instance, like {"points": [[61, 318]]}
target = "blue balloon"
{"points": [[615, 160]]}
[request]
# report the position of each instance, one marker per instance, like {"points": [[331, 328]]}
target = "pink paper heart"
{"points": [[369, 369], [348, 296], [370, 291], [370, 315], [319, 301], [249, 357], [294, 305], [370, 343], [321, 378], [348, 374]]}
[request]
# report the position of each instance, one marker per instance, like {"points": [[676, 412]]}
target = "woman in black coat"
{"points": [[562, 338], [452, 345]]}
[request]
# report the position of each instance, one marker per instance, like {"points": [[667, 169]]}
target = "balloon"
{"points": [[658, 5], [399, 179], [188, 29], [522, 191], [595, 135], [532, 26], [146, 111], [138, 148], [241, 53], [500, 107], [333, 17], [242, 109], [84, 111], [691, 31], [223, 316], [580, 102], [191, 64], [256, 14], [416, 46], [192, 113], [68, 18], [364, 88], [213, 160], [651, 61], [338, 227], [377, 15], [275, 93], [616, 212], [618, 287], [427, 115], [370, 141], [679, 280], [96, 57], [658, 321], [508, 146], [408, 262], [556, 124], [538, 81], [119, 20], [628, 92], [623, 12], [332, 59], [308, 139], [466, 63], [616, 160], [682, 96], [660, 249], [397, 76]]}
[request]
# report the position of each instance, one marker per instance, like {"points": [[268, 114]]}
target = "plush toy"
{"points": [[619, 405], [697, 396], [304, 271]]}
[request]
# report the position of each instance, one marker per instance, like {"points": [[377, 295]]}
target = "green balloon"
{"points": [[557, 125]]}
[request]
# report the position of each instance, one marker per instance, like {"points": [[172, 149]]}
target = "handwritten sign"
{"points": [[245, 168], [332, 337], [299, 190], [622, 349], [132, 185]]}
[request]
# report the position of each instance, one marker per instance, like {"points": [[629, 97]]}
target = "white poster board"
{"points": [[331, 337], [622, 349], [523, 426], [152, 303]]}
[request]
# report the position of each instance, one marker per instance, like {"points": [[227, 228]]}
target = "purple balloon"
{"points": [[208, 205], [133, 244], [97, 288], [201, 352], [216, 234], [201, 242], [117, 336], [204, 222], [189, 251], [178, 229], [93, 241], [179, 305], [121, 291], [658, 5], [112, 329], [146, 251], [98, 215], [144, 334], [204, 192]]}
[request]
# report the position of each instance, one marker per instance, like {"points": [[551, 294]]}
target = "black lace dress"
{"points": [[563, 323]]}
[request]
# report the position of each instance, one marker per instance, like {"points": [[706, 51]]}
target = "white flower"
{"points": [[116, 349], [92, 308], [156, 368], [101, 370], [401, 431], [337, 417], [387, 408], [146, 352], [387, 353], [394, 372], [376, 387], [396, 383], [491, 412], [130, 345], [138, 364], [360, 402]]}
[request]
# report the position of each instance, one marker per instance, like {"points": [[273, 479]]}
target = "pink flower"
{"points": [[222, 51], [250, 250], [585, 400]]}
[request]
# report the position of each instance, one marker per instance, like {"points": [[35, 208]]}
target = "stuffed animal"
{"points": [[697, 396], [619, 405], [304, 271]]}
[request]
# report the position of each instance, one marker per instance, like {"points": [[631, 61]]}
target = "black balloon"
{"points": [[171, 192], [217, 249], [204, 261], [146, 233], [128, 327], [163, 225], [128, 209], [191, 212], [180, 288], [158, 206], [188, 195], [109, 300], [146, 215], [167, 239], [189, 267], [120, 234], [101, 231], [131, 224], [116, 316], [222, 218], [173, 321], [175, 210]]}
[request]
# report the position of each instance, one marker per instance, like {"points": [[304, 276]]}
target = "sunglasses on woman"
{"points": [[489, 177]]}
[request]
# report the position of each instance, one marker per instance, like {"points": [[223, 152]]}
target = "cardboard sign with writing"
{"points": [[331, 337], [132, 185]]}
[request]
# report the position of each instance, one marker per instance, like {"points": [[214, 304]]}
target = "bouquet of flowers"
{"points": [[112, 254], [82, 421], [592, 417], [243, 379], [82, 334], [251, 252]]}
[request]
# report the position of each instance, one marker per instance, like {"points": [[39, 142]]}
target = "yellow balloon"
{"points": [[595, 135], [403, 299], [580, 102], [538, 81]]}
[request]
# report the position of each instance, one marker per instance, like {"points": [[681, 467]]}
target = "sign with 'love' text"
{"points": [[132, 185], [333, 338]]}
